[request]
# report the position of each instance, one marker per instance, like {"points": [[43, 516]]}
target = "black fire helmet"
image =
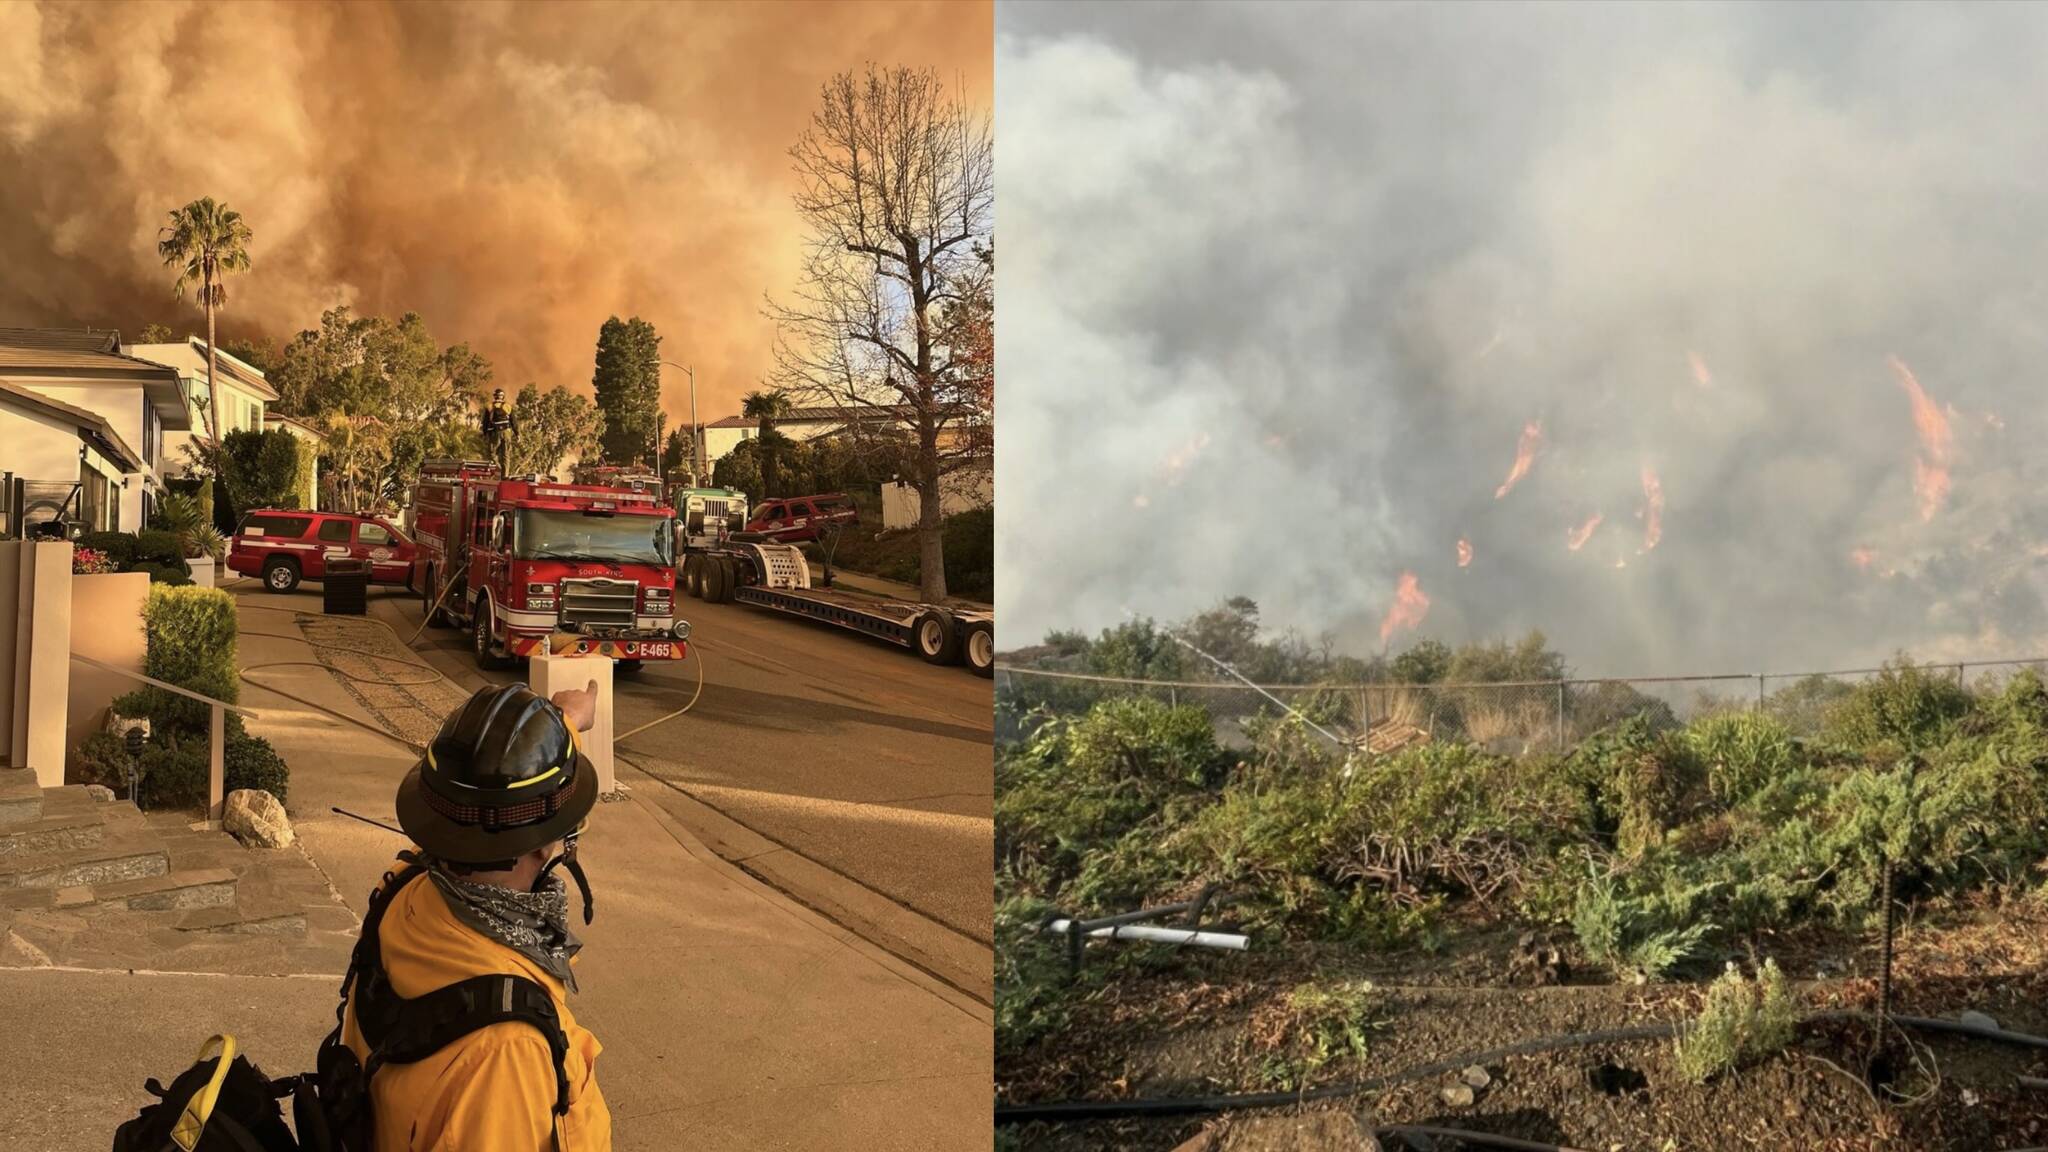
{"points": [[503, 776]]}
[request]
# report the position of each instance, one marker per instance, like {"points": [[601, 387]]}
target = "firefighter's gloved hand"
{"points": [[578, 705]]}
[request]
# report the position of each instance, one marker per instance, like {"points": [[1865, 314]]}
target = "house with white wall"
{"points": [[245, 396], [77, 412]]}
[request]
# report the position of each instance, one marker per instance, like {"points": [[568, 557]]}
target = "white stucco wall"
{"points": [[35, 446]]}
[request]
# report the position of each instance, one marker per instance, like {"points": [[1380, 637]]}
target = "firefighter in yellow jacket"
{"points": [[495, 805]]}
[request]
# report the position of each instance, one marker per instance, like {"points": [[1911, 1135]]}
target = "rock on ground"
{"points": [[257, 819]]}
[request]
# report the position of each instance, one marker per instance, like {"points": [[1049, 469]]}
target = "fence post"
{"points": [[1962, 679], [216, 771], [1560, 715], [1759, 694], [1172, 696]]}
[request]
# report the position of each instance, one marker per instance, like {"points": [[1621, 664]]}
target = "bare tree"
{"points": [[896, 182]]}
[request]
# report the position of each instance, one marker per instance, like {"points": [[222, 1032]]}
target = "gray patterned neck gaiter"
{"points": [[533, 924]]}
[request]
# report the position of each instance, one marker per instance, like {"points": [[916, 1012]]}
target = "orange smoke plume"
{"points": [[1464, 553], [1577, 537], [1930, 468], [1408, 609], [1525, 455], [1700, 375], [1653, 512]]}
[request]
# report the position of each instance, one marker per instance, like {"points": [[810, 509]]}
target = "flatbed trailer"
{"points": [[778, 578]]}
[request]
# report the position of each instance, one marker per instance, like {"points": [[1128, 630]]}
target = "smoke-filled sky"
{"points": [[1287, 286], [514, 172]]}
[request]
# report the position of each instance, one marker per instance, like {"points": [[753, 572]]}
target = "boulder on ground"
{"points": [[100, 792], [255, 817]]}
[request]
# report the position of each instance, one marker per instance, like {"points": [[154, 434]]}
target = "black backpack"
{"points": [[207, 1109]]}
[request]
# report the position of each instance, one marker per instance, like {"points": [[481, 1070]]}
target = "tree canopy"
{"points": [[627, 384]]}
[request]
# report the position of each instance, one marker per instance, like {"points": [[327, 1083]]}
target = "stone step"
{"points": [[210, 888], [21, 798], [116, 858], [57, 831]]}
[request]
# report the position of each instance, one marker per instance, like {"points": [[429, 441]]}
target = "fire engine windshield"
{"points": [[541, 535]]}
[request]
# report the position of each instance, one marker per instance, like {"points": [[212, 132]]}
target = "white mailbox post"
{"points": [[548, 674]]}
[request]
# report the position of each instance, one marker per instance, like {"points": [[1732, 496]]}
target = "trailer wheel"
{"points": [[693, 575], [980, 648], [937, 640], [487, 659], [712, 573]]}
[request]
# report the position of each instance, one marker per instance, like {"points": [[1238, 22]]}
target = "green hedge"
{"points": [[192, 640]]}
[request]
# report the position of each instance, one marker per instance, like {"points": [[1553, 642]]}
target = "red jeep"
{"points": [[285, 546], [796, 519]]}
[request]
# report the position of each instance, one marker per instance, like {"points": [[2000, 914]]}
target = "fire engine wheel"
{"points": [[487, 657], [281, 574], [980, 648], [629, 667], [937, 640], [714, 575]]}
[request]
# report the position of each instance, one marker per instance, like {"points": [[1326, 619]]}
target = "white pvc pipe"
{"points": [[1159, 935]]}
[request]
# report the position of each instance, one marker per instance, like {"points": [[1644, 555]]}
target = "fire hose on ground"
{"points": [[1081, 1110]]}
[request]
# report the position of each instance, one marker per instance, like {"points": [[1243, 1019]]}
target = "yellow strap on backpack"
{"points": [[193, 1122]]}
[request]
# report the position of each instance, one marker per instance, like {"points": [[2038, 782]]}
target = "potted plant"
{"points": [[204, 546]]}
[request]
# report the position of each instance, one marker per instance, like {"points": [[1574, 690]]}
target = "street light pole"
{"points": [[696, 455]]}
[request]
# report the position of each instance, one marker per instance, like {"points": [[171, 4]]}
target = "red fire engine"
{"points": [[531, 565]]}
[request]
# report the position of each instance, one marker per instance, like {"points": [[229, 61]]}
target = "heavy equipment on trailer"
{"points": [[747, 569], [529, 564]]}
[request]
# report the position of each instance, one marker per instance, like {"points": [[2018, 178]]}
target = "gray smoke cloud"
{"points": [[1285, 283]]}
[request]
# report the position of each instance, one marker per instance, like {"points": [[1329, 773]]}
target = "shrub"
{"points": [[1311, 1028], [192, 640], [1455, 817], [1643, 783], [101, 758], [1742, 753], [173, 771], [1742, 1022], [154, 546], [263, 468], [117, 546], [970, 541], [1904, 707], [1649, 934], [249, 761]]}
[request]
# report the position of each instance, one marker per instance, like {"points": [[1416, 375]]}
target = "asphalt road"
{"points": [[848, 751]]}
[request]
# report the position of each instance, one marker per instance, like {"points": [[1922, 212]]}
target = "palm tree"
{"points": [[767, 407], [206, 240]]}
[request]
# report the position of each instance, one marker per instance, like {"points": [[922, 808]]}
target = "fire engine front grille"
{"points": [[600, 602]]}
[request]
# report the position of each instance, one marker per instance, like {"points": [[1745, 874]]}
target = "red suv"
{"points": [[285, 545], [795, 519]]}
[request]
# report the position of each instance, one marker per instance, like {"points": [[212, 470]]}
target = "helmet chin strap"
{"points": [[568, 859]]}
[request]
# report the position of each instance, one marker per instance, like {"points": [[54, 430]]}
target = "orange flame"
{"points": [[1577, 537], [1862, 557], [1930, 468], [1525, 455], [1653, 519], [1464, 553], [1700, 375], [1408, 609]]}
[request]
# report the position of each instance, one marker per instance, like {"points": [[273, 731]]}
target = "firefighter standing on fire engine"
{"points": [[497, 423]]}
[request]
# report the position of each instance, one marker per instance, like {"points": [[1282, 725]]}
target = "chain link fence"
{"points": [[1513, 718]]}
